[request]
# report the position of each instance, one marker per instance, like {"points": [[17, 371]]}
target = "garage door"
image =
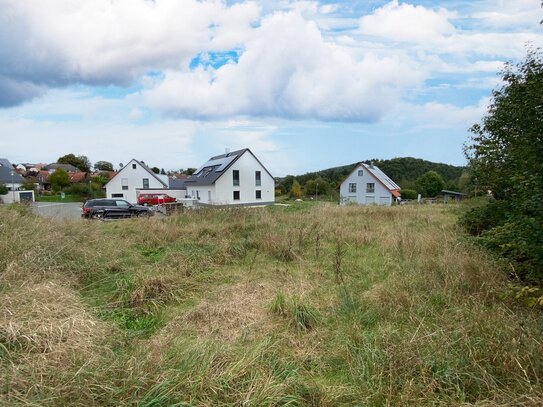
{"points": [[26, 196]]}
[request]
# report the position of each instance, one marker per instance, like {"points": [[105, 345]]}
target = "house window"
{"points": [[198, 195], [117, 195], [235, 175], [146, 183], [133, 166], [236, 196], [258, 194], [370, 187], [352, 188], [360, 173], [258, 178], [124, 184]]}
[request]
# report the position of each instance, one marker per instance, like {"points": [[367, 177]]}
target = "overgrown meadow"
{"points": [[308, 305]]}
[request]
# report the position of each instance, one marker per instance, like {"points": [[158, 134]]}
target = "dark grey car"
{"points": [[112, 209]]}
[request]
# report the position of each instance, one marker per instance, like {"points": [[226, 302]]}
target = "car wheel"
{"points": [[97, 216]]}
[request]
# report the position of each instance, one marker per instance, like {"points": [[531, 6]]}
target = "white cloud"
{"points": [[445, 115], [508, 13], [102, 41], [288, 70], [407, 23]]}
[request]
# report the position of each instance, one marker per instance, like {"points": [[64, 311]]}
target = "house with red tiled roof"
{"points": [[76, 177]]}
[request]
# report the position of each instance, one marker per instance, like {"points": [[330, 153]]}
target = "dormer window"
{"points": [[134, 166], [360, 173]]}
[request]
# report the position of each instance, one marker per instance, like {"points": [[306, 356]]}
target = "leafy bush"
{"points": [[505, 158], [409, 194], [78, 189], [3, 189]]}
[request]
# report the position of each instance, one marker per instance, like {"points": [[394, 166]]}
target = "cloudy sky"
{"points": [[306, 85]]}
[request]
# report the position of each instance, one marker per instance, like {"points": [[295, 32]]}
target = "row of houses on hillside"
{"points": [[240, 178]]}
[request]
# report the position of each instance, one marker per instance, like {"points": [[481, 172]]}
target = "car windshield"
{"points": [[123, 204]]}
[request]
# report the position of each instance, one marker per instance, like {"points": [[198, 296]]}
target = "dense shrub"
{"points": [[505, 158], [409, 194]]}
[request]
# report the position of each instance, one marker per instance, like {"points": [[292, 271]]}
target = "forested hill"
{"points": [[404, 171]]}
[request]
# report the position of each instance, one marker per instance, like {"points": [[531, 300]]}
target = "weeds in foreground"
{"points": [[262, 307]]}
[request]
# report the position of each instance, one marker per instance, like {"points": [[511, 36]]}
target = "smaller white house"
{"points": [[234, 178], [368, 185], [133, 178]]}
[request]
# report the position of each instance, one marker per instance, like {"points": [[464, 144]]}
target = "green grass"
{"points": [[57, 198], [306, 305]]}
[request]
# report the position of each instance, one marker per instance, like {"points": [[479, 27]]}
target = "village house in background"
{"points": [[13, 181], [368, 185], [137, 178], [233, 178]]}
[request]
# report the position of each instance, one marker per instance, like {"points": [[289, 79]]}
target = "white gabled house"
{"points": [[132, 179], [368, 185], [234, 178]]}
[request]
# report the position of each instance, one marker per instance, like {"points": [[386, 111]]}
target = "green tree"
{"points": [[103, 166], [296, 190], [3, 189], [190, 171], [430, 184], [156, 170], [59, 179], [29, 185], [82, 162], [505, 157]]}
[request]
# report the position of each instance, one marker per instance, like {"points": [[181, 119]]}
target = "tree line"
{"points": [[414, 176]]}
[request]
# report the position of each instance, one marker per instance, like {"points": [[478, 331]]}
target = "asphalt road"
{"points": [[54, 210]]}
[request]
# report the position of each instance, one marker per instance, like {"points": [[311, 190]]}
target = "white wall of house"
{"points": [[204, 194], [380, 196], [222, 192], [128, 180]]}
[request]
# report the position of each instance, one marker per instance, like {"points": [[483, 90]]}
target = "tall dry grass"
{"points": [[309, 305]]}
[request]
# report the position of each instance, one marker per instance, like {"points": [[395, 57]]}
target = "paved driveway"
{"points": [[69, 210]]}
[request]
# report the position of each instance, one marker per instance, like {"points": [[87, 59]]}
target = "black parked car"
{"points": [[112, 209]]}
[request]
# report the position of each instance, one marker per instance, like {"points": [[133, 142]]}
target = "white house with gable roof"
{"points": [[233, 178], [133, 178], [368, 185]]}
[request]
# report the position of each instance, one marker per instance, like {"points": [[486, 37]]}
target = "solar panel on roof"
{"points": [[384, 178], [220, 163]]}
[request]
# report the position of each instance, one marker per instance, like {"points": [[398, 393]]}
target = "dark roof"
{"points": [[452, 193], [177, 183], [6, 178], [216, 166], [65, 167]]}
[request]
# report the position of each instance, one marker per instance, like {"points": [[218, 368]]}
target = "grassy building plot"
{"points": [[309, 305]]}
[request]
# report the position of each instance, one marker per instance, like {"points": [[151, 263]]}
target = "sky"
{"points": [[305, 85]]}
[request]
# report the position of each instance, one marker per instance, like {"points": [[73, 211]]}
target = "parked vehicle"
{"points": [[154, 199], [112, 209]]}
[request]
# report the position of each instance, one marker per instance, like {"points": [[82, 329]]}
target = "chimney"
{"points": [[371, 164]]}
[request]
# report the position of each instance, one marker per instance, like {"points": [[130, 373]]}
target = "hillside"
{"points": [[403, 170], [310, 305]]}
